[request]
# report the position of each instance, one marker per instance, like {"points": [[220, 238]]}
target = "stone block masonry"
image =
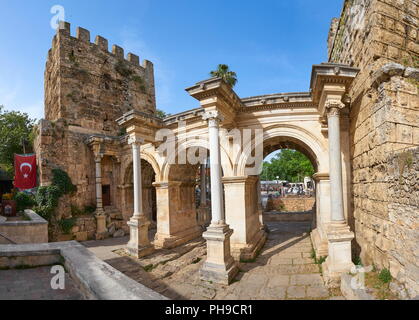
{"points": [[380, 37], [87, 88]]}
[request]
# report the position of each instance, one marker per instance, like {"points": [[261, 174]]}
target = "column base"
{"points": [[139, 244], [339, 260], [220, 266], [320, 245], [246, 252], [166, 241], [101, 231]]}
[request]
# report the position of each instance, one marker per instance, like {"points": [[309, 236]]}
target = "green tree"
{"points": [[289, 165], [15, 128], [223, 71], [162, 114]]}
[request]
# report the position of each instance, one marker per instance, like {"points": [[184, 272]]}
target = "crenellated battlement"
{"points": [[83, 35], [91, 86]]}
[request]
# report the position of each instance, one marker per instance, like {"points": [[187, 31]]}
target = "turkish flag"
{"points": [[25, 172]]}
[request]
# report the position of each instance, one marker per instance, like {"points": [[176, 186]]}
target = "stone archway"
{"points": [[177, 205], [316, 150]]}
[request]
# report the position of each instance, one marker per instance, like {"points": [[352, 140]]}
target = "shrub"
{"points": [[63, 182], [48, 196], [44, 211], [24, 201], [89, 209], [385, 276], [67, 224], [123, 69], [75, 211]]}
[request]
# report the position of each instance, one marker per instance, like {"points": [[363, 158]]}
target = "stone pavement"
{"points": [[34, 284], [284, 270]]}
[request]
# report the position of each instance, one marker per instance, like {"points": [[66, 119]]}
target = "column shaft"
{"points": [[99, 203], [217, 206], [136, 160], [335, 160]]}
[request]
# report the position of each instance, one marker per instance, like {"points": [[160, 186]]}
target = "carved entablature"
{"points": [[141, 125], [297, 100], [215, 94], [102, 145], [330, 83]]}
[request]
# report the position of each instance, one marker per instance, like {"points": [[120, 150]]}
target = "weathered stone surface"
{"points": [[412, 73], [374, 36]]}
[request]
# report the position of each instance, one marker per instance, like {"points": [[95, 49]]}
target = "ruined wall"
{"points": [[86, 89], [381, 38]]}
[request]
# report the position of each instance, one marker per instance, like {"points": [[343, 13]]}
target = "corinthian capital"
{"points": [[135, 140], [213, 117], [333, 107]]}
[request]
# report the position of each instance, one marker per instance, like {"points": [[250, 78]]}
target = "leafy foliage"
{"points": [[288, 165], [161, 114], [47, 200], [67, 224], [122, 68], [63, 182], [24, 201], [89, 209], [223, 71], [15, 127], [385, 276]]}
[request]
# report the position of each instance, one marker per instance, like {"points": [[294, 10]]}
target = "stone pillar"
{"points": [[100, 213], [242, 214], [323, 213], [139, 243], [339, 235], [219, 266]]}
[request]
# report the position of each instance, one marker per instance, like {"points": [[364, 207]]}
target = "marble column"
{"points": [[139, 244], [339, 235], [219, 266], [100, 213]]}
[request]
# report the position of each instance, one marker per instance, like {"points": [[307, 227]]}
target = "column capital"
{"points": [[135, 140], [99, 157], [333, 107], [214, 117]]}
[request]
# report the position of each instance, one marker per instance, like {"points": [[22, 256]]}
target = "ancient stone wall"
{"points": [[86, 89], [294, 204], [380, 37], [91, 87]]}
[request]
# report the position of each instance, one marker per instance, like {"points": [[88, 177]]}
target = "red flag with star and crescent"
{"points": [[25, 171]]}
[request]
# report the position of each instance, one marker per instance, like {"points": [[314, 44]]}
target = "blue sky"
{"points": [[270, 44]]}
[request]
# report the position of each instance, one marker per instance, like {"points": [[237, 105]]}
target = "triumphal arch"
{"points": [[142, 172]]}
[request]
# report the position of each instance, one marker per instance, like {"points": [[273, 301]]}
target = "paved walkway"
{"points": [[34, 284], [283, 270]]}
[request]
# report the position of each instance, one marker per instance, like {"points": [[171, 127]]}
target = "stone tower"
{"points": [[91, 87], [87, 88]]}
